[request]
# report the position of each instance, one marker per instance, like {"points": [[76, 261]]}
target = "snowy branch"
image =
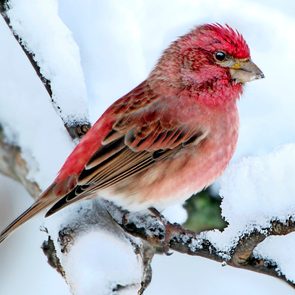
{"points": [[75, 128], [155, 231], [13, 165], [3, 7]]}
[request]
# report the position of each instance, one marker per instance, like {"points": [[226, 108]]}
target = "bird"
{"points": [[168, 138]]}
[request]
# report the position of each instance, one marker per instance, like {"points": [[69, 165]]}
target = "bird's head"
{"points": [[210, 59], [221, 48]]}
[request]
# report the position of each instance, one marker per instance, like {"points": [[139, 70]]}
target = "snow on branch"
{"points": [[13, 165], [18, 17], [241, 255]]}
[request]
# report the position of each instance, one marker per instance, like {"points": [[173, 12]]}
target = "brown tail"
{"points": [[44, 201]]}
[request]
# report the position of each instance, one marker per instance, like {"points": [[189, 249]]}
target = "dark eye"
{"points": [[220, 55]]}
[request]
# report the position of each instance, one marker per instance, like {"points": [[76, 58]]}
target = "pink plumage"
{"points": [[169, 137]]}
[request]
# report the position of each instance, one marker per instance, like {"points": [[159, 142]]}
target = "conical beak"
{"points": [[245, 71]]}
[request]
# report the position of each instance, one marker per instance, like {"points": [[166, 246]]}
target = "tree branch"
{"points": [[75, 129], [154, 231], [14, 166]]}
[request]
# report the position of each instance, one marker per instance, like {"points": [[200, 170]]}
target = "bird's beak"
{"points": [[245, 71]]}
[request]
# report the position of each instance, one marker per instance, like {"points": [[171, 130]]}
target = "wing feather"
{"points": [[140, 137]]}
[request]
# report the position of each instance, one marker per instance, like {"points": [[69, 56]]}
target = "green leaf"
{"points": [[204, 212]]}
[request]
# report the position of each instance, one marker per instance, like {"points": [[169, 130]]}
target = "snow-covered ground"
{"points": [[105, 48]]}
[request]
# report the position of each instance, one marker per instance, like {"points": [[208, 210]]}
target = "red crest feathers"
{"points": [[218, 37]]}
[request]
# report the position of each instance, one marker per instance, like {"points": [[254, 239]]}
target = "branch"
{"points": [[52, 258], [75, 129], [14, 166], [94, 217], [161, 233]]}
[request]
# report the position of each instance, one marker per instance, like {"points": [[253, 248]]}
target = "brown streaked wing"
{"points": [[123, 163], [140, 137]]}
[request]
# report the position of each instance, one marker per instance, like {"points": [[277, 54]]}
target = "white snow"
{"points": [[45, 35], [255, 191], [104, 48], [113, 61], [27, 114], [175, 213], [183, 274], [89, 267], [101, 257], [24, 269], [280, 250]]}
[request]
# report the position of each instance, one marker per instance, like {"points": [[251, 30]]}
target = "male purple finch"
{"points": [[169, 137]]}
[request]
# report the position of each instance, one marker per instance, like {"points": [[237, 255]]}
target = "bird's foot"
{"points": [[169, 228]]}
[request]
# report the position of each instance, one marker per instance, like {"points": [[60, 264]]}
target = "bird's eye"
{"points": [[219, 55]]}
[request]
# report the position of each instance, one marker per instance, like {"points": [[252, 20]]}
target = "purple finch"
{"points": [[169, 137]]}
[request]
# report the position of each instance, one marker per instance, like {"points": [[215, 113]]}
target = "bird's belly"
{"points": [[172, 180]]}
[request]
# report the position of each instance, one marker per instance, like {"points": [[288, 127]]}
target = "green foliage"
{"points": [[204, 212]]}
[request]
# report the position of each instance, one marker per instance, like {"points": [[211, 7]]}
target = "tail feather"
{"points": [[44, 201]]}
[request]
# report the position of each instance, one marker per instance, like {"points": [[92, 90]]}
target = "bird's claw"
{"points": [[168, 231]]}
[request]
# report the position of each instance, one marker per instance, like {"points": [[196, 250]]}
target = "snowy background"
{"points": [[105, 48]]}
